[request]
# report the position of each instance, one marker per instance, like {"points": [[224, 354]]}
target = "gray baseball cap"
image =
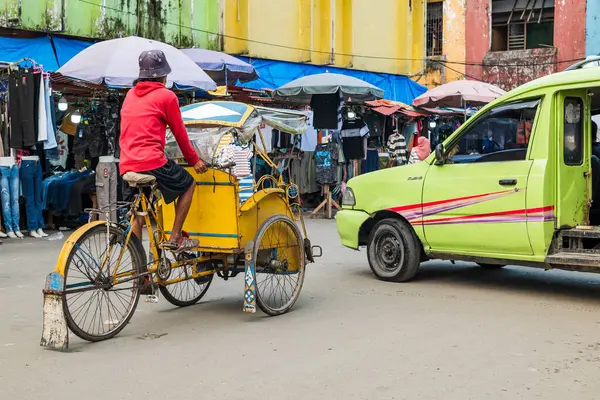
{"points": [[153, 64]]}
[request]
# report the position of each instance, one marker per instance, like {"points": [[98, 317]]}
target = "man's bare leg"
{"points": [[181, 211]]}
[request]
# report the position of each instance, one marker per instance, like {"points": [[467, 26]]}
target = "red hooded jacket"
{"points": [[147, 110]]}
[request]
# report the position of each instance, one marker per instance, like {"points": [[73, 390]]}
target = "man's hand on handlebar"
{"points": [[200, 167]]}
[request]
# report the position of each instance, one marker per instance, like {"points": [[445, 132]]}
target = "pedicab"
{"points": [[254, 228]]}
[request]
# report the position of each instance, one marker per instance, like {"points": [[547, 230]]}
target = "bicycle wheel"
{"points": [[94, 308], [189, 292], [280, 265]]}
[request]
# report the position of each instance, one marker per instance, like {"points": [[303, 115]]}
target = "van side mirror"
{"points": [[440, 154]]}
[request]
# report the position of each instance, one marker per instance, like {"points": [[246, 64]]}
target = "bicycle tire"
{"points": [[137, 264], [263, 299]]}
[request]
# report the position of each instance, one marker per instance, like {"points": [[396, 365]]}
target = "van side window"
{"points": [[573, 131], [501, 134]]}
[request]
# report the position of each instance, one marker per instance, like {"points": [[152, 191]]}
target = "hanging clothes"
{"points": [[304, 173], [9, 196], [374, 122], [4, 130], [326, 156], [22, 109], [325, 108], [50, 142], [240, 156], [397, 146], [371, 163], [354, 136], [30, 173], [421, 151], [246, 188], [42, 119], [62, 150]]}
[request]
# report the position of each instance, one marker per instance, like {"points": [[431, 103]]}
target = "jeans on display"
{"points": [[9, 197], [31, 179]]}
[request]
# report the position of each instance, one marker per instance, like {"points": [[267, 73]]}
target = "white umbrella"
{"points": [[116, 63]]}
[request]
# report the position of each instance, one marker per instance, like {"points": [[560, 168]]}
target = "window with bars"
{"points": [[435, 28], [522, 24]]}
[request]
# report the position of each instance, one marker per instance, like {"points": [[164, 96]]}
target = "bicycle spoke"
{"points": [[102, 310]]}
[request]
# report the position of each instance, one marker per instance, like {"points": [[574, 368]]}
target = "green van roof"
{"points": [[566, 78]]}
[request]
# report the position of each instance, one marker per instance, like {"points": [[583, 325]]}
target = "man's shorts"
{"points": [[172, 181]]}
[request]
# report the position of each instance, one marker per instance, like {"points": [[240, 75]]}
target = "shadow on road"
{"points": [[554, 283]]}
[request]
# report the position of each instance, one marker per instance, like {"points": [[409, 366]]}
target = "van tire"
{"points": [[393, 251], [490, 266]]}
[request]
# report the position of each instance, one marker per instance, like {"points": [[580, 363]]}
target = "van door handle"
{"points": [[507, 182]]}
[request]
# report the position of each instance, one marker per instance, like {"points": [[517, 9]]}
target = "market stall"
{"points": [[336, 102], [59, 132]]}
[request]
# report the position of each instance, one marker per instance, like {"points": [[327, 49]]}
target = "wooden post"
{"points": [[328, 202]]}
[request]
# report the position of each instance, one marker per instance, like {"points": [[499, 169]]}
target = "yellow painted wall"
{"points": [[321, 32], [454, 37], [235, 26], [374, 35], [454, 46]]}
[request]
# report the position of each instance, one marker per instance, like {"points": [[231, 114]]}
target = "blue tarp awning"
{"points": [[39, 49], [68, 48], [274, 74]]}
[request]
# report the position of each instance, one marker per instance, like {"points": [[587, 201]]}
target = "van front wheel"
{"points": [[393, 251]]}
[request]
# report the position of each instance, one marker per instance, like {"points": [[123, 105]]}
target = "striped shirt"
{"points": [[238, 155], [397, 147]]}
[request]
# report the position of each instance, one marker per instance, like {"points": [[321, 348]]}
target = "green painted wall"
{"points": [[183, 23]]}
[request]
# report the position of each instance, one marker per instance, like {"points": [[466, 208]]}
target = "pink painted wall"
{"points": [[478, 32], [569, 30], [512, 68]]}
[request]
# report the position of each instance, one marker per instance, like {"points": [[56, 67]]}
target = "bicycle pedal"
{"points": [[152, 298]]}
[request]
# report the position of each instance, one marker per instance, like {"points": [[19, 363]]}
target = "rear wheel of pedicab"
{"points": [[280, 265], [190, 291], [95, 307]]}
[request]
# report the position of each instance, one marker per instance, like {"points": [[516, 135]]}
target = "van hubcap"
{"points": [[390, 251]]}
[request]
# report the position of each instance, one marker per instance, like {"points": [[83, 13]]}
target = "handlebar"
{"points": [[221, 166]]}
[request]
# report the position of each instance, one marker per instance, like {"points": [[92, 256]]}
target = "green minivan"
{"points": [[515, 184]]}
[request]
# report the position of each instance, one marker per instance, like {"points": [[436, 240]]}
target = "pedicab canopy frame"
{"points": [[209, 122]]}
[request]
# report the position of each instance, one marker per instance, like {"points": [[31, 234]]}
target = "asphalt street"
{"points": [[455, 332]]}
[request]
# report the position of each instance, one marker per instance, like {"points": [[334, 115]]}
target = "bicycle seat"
{"points": [[139, 180]]}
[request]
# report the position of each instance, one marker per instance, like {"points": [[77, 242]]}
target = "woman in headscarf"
{"points": [[421, 151]]}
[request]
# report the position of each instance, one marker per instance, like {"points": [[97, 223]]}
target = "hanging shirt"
{"points": [[326, 156], [325, 108], [240, 156], [50, 142], [397, 147], [42, 120], [414, 157]]}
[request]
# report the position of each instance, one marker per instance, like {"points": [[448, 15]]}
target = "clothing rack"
{"points": [[329, 203]]}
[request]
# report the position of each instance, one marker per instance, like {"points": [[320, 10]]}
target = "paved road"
{"points": [[456, 332]]}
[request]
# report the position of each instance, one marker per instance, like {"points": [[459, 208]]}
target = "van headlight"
{"points": [[348, 199]]}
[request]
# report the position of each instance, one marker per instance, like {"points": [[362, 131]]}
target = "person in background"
{"points": [[147, 110], [421, 151]]}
